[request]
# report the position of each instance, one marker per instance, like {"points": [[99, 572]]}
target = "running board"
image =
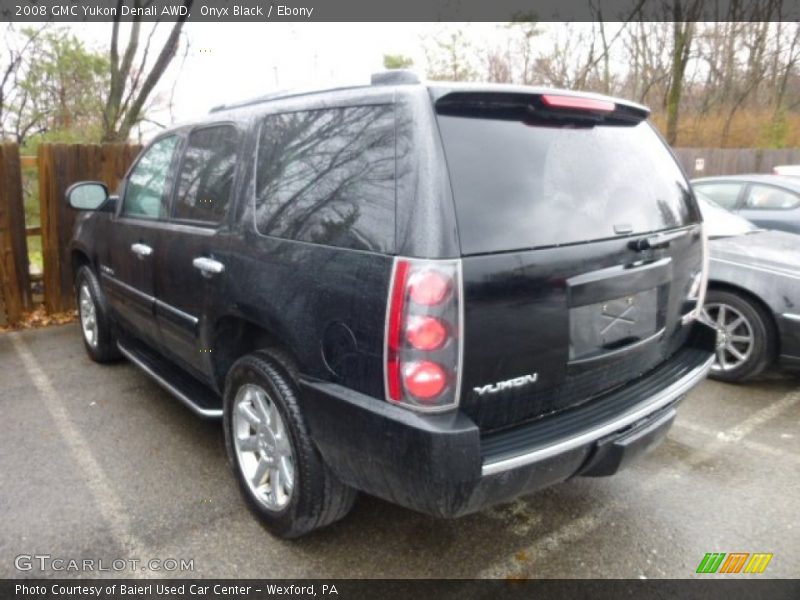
{"points": [[200, 400]]}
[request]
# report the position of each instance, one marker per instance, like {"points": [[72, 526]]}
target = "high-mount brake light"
{"points": [[577, 103], [424, 333]]}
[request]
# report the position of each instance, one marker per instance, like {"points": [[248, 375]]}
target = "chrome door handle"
{"points": [[208, 266], [141, 250]]}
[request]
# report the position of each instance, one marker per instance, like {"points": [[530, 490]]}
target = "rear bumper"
{"points": [[442, 465]]}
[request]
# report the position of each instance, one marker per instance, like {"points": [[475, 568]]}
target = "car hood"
{"points": [[776, 250]]}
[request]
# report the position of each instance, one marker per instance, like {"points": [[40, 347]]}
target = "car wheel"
{"points": [[98, 337], [279, 469], [745, 336]]}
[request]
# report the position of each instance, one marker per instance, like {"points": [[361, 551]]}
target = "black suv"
{"points": [[445, 295]]}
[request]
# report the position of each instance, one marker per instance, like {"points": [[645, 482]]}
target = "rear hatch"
{"points": [[580, 241]]}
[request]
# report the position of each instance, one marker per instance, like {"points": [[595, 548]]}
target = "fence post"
{"points": [[15, 285]]}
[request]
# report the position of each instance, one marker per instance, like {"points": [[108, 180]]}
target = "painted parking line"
{"points": [[744, 443], [761, 417], [108, 503], [519, 564]]}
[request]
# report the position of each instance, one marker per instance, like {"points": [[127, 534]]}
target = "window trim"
{"points": [[751, 184], [212, 225], [170, 178]]}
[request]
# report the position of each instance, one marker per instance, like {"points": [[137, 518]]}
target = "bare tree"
{"points": [[684, 17], [131, 86]]}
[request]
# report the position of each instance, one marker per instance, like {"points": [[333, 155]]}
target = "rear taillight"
{"points": [[424, 333]]}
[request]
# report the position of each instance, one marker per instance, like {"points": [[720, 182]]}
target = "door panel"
{"points": [[128, 276], [191, 279]]}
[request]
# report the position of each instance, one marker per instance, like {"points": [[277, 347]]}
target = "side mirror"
{"points": [[87, 195]]}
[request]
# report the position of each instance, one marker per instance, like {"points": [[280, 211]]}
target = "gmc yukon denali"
{"points": [[444, 295]]}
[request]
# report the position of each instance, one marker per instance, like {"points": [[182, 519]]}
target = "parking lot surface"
{"points": [[99, 462]]}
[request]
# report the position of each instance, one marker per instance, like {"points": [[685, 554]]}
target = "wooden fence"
{"points": [[60, 165], [705, 162], [15, 289]]}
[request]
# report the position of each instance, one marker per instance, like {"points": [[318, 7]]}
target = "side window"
{"points": [[767, 197], [206, 175], [328, 177], [724, 194], [146, 193]]}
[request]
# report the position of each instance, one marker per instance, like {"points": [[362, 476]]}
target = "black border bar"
{"points": [[714, 588], [262, 11]]}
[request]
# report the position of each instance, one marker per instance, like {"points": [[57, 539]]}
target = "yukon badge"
{"points": [[493, 388]]}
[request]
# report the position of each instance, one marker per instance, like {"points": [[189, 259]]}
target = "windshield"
{"points": [[520, 185], [719, 222]]}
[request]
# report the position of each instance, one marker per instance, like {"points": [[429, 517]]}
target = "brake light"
{"points": [[424, 380], [423, 334], [426, 333], [577, 103]]}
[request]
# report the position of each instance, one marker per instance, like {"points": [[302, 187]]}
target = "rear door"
{"points": [[128, 276], [191, 281], [580, 241]]}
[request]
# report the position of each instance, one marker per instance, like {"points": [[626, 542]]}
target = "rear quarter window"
{"points": [[518, 185], [328, 177]]}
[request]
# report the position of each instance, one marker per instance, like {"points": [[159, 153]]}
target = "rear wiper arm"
{"points": [[660, 240]]}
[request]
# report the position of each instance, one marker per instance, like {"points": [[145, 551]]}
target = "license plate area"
{"points": [[610, 325]]}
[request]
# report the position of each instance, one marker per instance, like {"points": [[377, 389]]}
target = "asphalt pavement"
{"points": [[99, 463]]}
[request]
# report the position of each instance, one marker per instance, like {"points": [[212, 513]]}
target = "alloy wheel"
{"points": [[735, 339], [263, 448], [88, 313]]}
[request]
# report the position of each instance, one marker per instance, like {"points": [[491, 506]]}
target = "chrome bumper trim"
{"points": [[652, 404]]}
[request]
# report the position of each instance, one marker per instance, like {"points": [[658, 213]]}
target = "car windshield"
{"points": [[719, 222]]}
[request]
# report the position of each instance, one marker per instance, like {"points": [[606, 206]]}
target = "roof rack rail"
{"points": [[390, 77], [395, 77], [257, 100]]}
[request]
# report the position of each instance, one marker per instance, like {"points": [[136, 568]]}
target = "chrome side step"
{"points": [[184, 393]]}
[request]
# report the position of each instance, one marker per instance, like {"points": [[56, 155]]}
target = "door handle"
{"points": [[208, 266], [141, 250]]}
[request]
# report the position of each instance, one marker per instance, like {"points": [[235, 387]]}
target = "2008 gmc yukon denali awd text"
{"points": [[444, 295]]}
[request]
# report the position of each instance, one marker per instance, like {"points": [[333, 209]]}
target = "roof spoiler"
{"points": [[550, 107]]}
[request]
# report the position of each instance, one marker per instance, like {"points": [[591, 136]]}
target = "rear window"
{"points": [[518, 185]]}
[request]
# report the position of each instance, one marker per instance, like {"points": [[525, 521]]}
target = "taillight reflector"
{"points": [[394, 335], [577, 103]]}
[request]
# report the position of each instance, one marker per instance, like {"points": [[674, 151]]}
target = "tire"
{"points": [[96, 330], [266, 453], [737, 358]]}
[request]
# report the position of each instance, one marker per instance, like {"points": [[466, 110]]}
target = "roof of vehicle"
{"points": [[402, 78], [792, 183]]}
